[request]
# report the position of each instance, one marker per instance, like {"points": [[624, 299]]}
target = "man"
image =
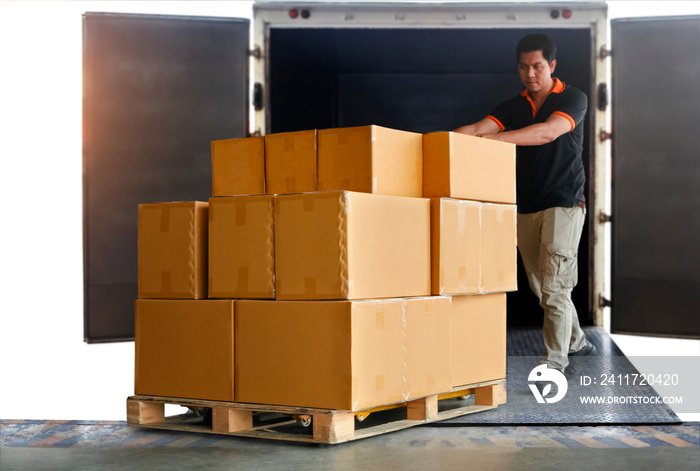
{"points": [[545, 122]]}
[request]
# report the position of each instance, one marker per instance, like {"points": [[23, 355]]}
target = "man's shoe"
{"points": [[588, 350], [576, 363]]}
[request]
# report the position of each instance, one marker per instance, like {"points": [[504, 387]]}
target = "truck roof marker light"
{"points": [[293, 13], [566, 13], [554, 14], [305, 14]]}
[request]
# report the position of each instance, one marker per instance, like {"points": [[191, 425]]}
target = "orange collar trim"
{"points": [[558, 87]]}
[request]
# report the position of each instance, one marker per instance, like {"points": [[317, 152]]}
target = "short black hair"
{"points": [[537, 42]]}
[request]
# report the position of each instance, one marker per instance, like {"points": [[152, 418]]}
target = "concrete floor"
{"points": [[354, 457], [419, 448]]}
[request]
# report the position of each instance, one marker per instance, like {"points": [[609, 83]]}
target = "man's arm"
{"points": [[535, 134], [485, 126]]}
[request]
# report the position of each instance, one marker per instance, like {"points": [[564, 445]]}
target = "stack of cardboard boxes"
{"points": [[338, 269]]}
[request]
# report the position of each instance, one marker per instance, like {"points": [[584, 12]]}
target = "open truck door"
{"points": [[655, 176], [157, 90]]}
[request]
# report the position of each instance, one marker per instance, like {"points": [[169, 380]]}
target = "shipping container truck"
{"points": [[158, 89]]}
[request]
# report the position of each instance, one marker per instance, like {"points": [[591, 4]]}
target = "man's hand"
{"points": [[535, 134], [485, 126], [496, 136]]}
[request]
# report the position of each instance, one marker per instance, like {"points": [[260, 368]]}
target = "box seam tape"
{"points": [[165, 217], [405, 390], [191, 250], [343, 209], [270, 245], [481, 251]]}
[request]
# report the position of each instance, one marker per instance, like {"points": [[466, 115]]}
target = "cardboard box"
{"points": [[468, 167], [242, 247], [172, 250], [428, 327], [346, 245], [455, 246], [499, 248], [478, 338], [473, 247], [290, 162], [370, 159], [238, 166], [346, 355], [184, 348]]}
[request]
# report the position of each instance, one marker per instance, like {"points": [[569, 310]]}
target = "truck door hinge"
{"points": [[604, 218], [604, 302], [604, 53], [602, 96], [256, 52], [258, 96], [605, 135]]}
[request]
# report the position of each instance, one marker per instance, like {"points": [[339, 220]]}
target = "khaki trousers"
{"points": [[548, 243]]}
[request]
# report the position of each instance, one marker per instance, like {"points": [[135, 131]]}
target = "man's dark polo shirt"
{"points": [[552, 174]]}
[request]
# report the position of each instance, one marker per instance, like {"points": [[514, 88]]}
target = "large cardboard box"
{"points": [[468, 167], [473, 247], [290, 162], [346, 355], [346, 245], [370, 159], [172, 250], [428, 338], [455, 246], [242, 247], [238, 166], [478, 338], [184, 348], [499, 248]]}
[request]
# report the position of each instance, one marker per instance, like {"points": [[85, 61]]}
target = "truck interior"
{"points": [[420, 80]]}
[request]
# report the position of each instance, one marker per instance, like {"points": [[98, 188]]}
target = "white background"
{"points": [[46, 369]]}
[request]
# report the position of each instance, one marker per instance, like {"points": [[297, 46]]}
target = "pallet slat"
{"points": [[327, 426], [425, 408], [141, 412], [231, 420]]}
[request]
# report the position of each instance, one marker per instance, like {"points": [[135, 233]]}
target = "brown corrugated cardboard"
{"points": [[468, 167], [172, 250], [290, 162], [370, 159], [347, 355], [242, 247], [499, 238], [473, 247], [347, 245], [478, 338], [184, 348], [428, 326], [455, 246], [238, 166], [326, 354]]}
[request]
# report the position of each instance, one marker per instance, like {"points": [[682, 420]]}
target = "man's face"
{"points": [[535, 71]]}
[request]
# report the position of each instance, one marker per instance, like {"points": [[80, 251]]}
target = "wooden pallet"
{"points": [[307, 424]]}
